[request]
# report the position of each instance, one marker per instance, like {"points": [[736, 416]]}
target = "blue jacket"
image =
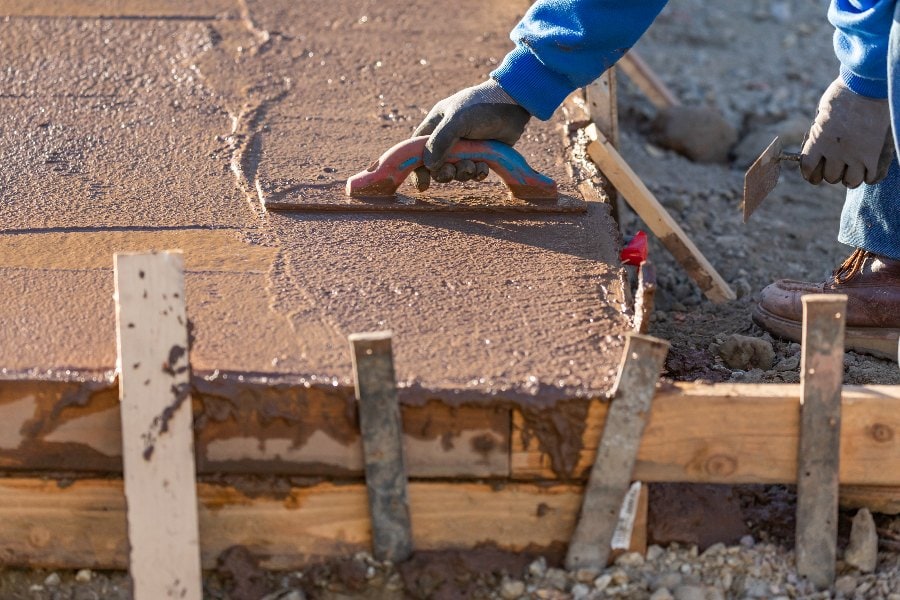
{"points": [[562, 45]]}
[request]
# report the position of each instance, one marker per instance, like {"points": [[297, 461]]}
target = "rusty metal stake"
{"points": [[382, 439], [818, 461], [610, 476]]}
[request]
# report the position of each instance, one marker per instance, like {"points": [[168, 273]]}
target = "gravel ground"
{"points": [[762, 65]]}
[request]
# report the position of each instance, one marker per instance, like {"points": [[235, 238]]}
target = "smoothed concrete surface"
{"points": [[156, 134]]}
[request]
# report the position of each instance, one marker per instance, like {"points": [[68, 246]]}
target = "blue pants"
{"points": [[871, 216]]}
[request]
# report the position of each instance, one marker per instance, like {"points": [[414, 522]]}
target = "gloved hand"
{"points": [[482, 112], [850, 140]]}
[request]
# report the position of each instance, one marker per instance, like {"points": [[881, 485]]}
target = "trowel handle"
{"points": [[791, 156], [384, 177]]}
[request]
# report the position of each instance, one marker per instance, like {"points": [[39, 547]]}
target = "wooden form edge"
{"points": [[657, 218], [736, 433], [639, 72], [157, 426]]}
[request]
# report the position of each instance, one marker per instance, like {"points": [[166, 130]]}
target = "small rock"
{"points": [[512, 589], [747, 541], [745, 353], [619, 577], [862, 551], [35, 589], [52, 580], [790, 131], [580, 591], [84, 576], [538, 567], [701, 134], [669, 580], [557, 578], [654, 552], [630, 559], [602, 582], [846, 585], [791, 363], [586, 575], [661, 594], [717, 548], [689, 592]]}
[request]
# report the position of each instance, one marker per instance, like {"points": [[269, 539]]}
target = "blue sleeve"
{"points": [[562, 45], [861, 35]]}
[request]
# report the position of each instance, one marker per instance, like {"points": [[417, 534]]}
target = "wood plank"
{"points": [[610, 478], [818, 460], [245, 428], [158, 452], [878, 499], [657, 218], [83, 524], [738, 433], [379, 421], [641, 75], [602, 105]]}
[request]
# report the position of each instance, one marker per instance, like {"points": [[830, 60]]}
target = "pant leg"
{"points": [[871, 216]]}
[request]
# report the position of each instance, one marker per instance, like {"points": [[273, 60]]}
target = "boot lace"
{"points": [[851, 266]]}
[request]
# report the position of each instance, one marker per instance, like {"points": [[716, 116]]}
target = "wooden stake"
{"points": [[818, 460], [379, 421], [656, 217], [634, 67], [610, 476], [157, 437], [604, 112], [643, 299]]}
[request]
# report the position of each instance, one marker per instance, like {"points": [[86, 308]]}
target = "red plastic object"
{"points": [[635, 251], [384, 177]]}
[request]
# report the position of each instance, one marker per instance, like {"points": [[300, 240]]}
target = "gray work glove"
{"points": [[482, 112], [850, 141]]}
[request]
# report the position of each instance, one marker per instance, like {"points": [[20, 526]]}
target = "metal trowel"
{"points": [[762, 177]]}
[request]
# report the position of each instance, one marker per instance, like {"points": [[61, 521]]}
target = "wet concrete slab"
{"points": [[293, 94], [119, 8]]}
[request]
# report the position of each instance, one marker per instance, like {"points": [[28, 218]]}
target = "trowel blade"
{"points": [[761, 178]]}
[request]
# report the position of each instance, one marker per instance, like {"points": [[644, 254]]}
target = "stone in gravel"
{"points": [[654, 552], [661, 594], [862, 551], [602, 582], [84, 575], [701, 134], [747, 541], [619, 577], [669, 580], [557, 578], [586, 575], [791, 363], [538, 567], [630, 559], [745, 353], [580, 591], [689, 592], [846, 585], [512, 589], [285, 595], [52, 580]]}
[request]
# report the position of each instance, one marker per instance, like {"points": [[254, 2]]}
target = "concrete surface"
{"points": [[152, 126]]}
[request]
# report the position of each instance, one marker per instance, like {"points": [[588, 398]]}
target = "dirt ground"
{"points": [[762, 64]]}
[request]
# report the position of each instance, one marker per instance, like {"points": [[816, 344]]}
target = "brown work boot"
{"points": [[872, 286]]}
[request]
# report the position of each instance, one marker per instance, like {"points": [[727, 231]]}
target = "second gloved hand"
{"points": [[482, 112], [850, 140]]}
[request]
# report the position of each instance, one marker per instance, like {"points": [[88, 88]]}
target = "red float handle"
{"points": [[384, 177]]}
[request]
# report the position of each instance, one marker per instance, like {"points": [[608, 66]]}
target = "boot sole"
{"points": [[880, 342]]}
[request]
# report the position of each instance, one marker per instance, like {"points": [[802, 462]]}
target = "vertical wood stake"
{"points": [[157, 435], [821, 377], [644, 297], [382, 438], [603, 108], [610, 476]]}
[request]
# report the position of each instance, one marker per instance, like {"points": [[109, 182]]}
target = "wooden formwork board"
{"points": [[83, 524], [59, 426], [737, 433]]}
